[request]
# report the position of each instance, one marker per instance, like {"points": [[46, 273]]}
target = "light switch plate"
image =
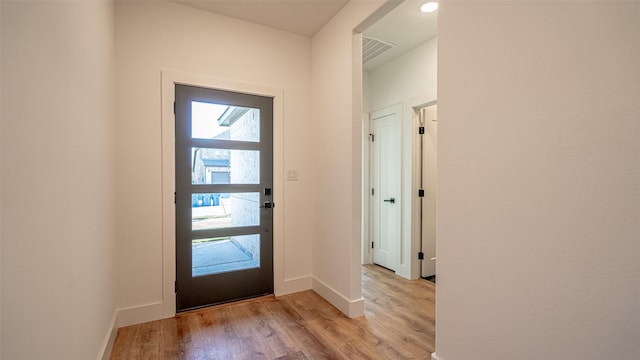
{"points": [[292, 174]]}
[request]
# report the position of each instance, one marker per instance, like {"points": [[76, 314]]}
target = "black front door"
{"points": [[224, 180]]}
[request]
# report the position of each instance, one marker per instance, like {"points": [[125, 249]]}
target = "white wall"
{"points": [[336, 144], [58, 175], [409, 80], [538, 190], [156, 36], [410, 77]]}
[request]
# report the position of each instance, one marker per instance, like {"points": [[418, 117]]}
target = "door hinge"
{"points": [[372, 244], [372, 137], [420, 255], [174, 197], [421, 130], [372, 192], [174, 108], [175, 286], [420, 193]]}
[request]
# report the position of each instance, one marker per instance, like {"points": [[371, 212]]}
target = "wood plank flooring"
{"points": [[399, 323]]}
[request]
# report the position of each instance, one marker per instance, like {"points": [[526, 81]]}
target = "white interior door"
{"points": [[429, 176], [385, 192]]}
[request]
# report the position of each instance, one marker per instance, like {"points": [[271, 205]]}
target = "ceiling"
{"points": [[405, 26], [304, 17]]}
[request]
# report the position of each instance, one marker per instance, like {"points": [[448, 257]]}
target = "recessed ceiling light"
{"points": [[429, 7]]}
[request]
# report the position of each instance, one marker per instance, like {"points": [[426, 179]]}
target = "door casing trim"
{"points": [[166, 306]]}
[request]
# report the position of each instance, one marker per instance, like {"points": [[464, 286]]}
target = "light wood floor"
{"points": [[399, 323]]}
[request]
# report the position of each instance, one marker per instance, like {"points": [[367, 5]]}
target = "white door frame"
{"points": [[430, 185], [365, 230], [165, 306], [412, 225]]}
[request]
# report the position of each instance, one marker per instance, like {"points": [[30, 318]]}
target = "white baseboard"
{"points": [[159, 310], [294, 285], [129, 316], [110, 338], [143, 313], [351, 308], [434, 356], [404, 271]]}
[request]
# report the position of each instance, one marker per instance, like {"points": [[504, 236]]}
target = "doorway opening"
{"points": [[402, 75], [223, 198], [428, 184]]}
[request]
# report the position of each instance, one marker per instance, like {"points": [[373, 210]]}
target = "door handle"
{"points": [[391, 200]]}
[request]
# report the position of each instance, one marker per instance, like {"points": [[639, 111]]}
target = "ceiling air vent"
{"points": [[372, 48]]}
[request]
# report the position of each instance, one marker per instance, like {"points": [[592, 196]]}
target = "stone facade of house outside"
{"points": [[245, 169], [223, 166]]}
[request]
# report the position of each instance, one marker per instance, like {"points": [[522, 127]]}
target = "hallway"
{"points": [[399, 323]]}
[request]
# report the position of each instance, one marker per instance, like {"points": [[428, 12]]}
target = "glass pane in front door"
{"points": [[223, 166], [217, 211], [224, 122], [224, 241], [218, 255]]}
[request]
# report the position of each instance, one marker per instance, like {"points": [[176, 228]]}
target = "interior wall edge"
{"points": [[351, 308]]}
